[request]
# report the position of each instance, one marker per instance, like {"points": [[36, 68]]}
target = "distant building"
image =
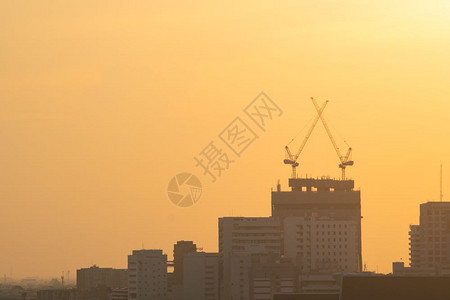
{"points": [[270, 275], [88, 278], [175, 278], [306, 296], [57, 294], [395, 288], [12, 292], [180, 249], [100, 292], [429, 242], [321, 244], [240, 240], [330, 212], [201, 276], [320, 283], [147, 275], [119, 294]]}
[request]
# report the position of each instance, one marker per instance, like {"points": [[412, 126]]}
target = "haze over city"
{"points": [[101, 104]]}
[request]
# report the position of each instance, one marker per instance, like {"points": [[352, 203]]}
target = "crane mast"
{"points": [[292, 159], [345, 160]]}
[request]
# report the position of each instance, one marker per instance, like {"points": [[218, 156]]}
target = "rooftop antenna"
{"points": [[441, 196]]}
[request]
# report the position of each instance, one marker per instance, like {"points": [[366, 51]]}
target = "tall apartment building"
{"points": [[147, 275], [430, 241], [201, 276], [88, 278], [242, 240], [332, 210]]}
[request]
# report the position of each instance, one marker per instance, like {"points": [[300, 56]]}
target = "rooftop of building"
{"points": [[319, 184]]}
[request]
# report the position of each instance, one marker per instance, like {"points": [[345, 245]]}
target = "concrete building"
{"points": [[201, 276], [57, 294], [119, 294], [240, 241], [414, 246], [147, 275], [175, 278], [321, 245], [429, 242], [180, 249], [270, 274], [326, 202], [88, 278]]}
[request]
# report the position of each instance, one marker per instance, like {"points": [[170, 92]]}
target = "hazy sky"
{"points": [[102, 103]]}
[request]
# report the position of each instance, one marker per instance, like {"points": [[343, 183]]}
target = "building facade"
{"points": [[321, 245], [430, 241], [323, 219], [242, 240], [201, 276], [88, 278], [147, 275]]}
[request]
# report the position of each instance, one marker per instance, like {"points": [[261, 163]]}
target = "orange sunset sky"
{"points": [[102, 102]]}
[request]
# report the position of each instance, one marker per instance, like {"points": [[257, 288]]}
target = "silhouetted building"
{"points": [[305, 296], [201, 276], [88, 278], [180, 249], [241, 238], [119, 294], [321, 244], [12, 292], [430, 241], [147, 275], [321, 206], [320, 283], [270, 274], [100, 292], [57, 294], [395, 288]]}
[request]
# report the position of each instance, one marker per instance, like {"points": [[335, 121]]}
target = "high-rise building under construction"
{"points": [[321, 221]]}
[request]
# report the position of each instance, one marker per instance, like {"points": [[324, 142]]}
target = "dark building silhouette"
{"points": [[271, 274], [429, 242], [306, 297], [88, 278], [180, 249], [57, 294], [395, 288], [382, 287]]}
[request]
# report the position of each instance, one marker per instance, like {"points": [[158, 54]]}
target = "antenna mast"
{"points": [[441, 196]]}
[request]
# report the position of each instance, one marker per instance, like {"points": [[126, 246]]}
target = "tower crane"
{"points": [[345, 160], [292, 159]]}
